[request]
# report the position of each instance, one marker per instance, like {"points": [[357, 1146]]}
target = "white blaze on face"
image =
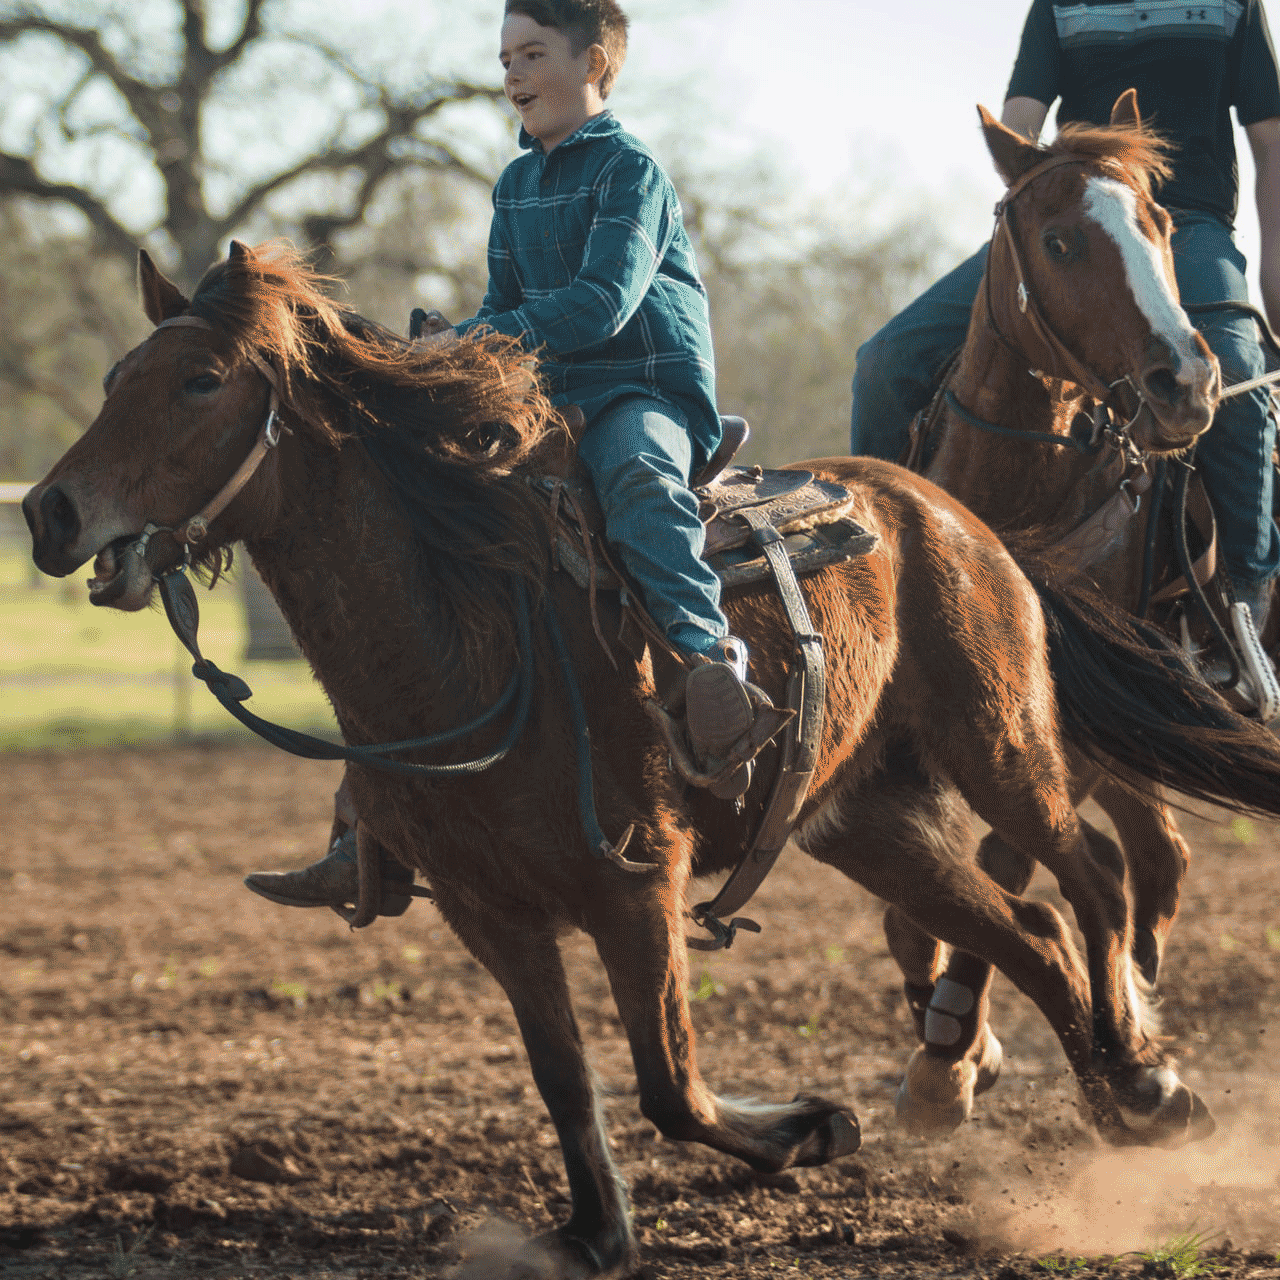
{"points": [[1114, 207]]}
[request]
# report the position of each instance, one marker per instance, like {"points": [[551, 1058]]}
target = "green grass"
{"points": [[72, 675], [1182, 1254]]}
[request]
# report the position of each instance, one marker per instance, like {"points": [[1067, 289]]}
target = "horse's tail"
{"points": [[1128, 696]]}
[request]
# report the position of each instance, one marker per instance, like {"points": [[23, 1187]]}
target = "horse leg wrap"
{"points": [[951, 1019]]}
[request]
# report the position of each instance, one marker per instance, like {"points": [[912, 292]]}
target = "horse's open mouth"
{"points": [[121, 576]]}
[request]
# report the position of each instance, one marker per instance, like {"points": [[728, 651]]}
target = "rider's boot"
{"points": [[721, 710], [334, 881]]}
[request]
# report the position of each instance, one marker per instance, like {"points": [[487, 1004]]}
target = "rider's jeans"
{"points": [[897, 366], [640, 455]]}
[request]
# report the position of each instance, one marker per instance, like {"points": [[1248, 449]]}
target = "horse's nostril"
{"points": [[61, 522], [1161, 385]]}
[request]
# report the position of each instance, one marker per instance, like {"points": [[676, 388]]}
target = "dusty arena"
{"points": [[198, 1083]]}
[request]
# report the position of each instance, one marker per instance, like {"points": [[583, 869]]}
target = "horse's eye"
{"points": [[1055, 245], [203, 384]]}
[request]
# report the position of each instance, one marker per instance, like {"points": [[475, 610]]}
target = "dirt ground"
{"points": [[194, 1082]]}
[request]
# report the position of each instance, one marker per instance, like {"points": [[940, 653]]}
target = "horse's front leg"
{"points": [[524, 958], [1158, 858], [959, 1057], [639, 932], [1128, 1081]]}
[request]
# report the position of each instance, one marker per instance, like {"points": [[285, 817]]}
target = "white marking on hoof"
{"points": [[936, 1097]]}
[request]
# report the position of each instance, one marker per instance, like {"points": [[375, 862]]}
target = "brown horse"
{"points": [[394, 525], [1080, 291]]}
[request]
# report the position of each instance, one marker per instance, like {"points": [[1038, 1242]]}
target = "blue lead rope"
{"points": [[184, 616]]}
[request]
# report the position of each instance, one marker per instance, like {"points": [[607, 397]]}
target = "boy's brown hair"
{"points": [[584, 23]]}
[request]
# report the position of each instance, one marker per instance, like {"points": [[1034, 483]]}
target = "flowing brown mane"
{"points": [[273, 301], [1141, 152], [446, 427]]}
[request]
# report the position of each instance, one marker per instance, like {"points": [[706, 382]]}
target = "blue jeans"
{"points": [[640, 456], [897, 366]]}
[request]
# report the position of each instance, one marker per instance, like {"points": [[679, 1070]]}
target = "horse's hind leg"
{"points": [[526, 962], [1158, 858], [640, 937]]}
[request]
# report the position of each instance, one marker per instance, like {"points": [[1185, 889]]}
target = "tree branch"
{"points": [[19, 177], [137, 93], [372, 155]]}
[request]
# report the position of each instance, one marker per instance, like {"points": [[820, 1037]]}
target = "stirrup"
{"points": [[727, 722], [1260, 684]]}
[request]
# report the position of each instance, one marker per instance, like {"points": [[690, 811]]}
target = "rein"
{"points": [[183, 612]]}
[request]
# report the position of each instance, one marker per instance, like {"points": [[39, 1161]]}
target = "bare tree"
{"points": [[144, 85]]}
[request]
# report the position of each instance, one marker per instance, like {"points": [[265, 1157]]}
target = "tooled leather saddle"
{"points": [[810, 514]]}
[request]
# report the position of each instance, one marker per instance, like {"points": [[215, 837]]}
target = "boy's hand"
{"points": [[431, 329]]}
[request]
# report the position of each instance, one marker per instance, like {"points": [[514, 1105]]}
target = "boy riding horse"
{"points": [[590, 267]]}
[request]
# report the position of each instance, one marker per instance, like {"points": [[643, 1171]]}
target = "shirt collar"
{"points": [[600, 126]]}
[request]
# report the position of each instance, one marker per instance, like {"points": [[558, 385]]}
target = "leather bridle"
{"points": [[193, 530], [1029, 306]]}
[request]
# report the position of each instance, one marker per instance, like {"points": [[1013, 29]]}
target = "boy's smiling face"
{"points": [[554, 92]]}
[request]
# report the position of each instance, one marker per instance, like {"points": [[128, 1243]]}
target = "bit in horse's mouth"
{"points": [[108, 571]]}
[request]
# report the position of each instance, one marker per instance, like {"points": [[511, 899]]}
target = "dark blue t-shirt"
{"points": [[1190, 63]]}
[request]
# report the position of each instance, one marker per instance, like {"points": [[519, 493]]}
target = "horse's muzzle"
{"points": [[1182, 395], [54, 523]]}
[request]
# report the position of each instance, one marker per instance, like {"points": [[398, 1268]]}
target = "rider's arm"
{"points": [[1024, 116], [1264, 139]]}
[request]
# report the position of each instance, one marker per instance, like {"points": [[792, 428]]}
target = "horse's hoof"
{"points": [[572, 1258], [1202, 1125], [936, 1096], [1160, 1111], [839, 1135]]}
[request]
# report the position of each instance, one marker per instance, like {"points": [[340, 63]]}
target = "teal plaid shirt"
{"points": [[590, 266]]}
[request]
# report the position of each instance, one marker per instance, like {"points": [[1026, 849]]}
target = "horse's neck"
{"points": [[1008, 483], [339, 559]]}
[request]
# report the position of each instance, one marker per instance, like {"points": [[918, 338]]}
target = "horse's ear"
{"points": [[1125, 112], [240, 252], [161, 298], [1013, 154]]}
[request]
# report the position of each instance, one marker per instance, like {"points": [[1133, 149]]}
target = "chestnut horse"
{"points": [[1079, 307], [395, 526]]}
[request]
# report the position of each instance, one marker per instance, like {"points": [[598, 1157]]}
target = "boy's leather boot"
{"points": [[334, 881], [720, 712]]}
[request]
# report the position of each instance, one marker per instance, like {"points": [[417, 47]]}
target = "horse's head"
{"points": [[180, 415], [157, 476], [1080, 280]]}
